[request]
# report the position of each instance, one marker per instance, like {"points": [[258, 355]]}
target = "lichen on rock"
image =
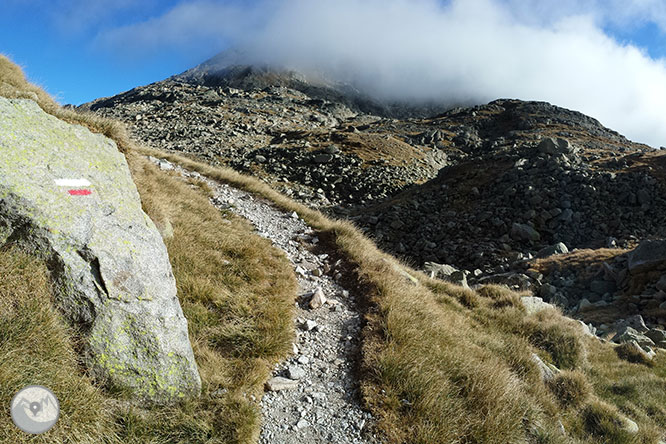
{"points": [[110, 266]]}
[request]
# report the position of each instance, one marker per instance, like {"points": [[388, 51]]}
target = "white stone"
{"points": [[318, 299]]}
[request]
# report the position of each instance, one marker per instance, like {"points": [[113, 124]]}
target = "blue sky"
{"points": [[603, 57]]}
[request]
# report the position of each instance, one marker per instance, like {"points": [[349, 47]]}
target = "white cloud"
{"points": [[475, 50], [186, 27]]}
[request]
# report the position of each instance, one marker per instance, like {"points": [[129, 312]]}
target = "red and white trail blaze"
{"points": [[75, 183]]}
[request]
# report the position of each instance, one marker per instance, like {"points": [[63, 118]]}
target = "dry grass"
{"points": [[237, 293], [582, 261], [36, 348], [632, 353], [440, 364], [571, 388]]}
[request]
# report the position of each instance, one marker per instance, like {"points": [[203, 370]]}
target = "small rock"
{"points": [[548, 372], [318, 299], [303, 360], [279, 383], [294, 372], [309, 325]]}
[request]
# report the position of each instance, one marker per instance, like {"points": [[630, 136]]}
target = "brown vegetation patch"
{"points": [[373, 147], [586, 262]]}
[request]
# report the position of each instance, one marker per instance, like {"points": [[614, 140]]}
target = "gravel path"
{"points": [[313, 395]]}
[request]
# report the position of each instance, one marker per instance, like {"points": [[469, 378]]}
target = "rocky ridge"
{"points": [[489, 190]]}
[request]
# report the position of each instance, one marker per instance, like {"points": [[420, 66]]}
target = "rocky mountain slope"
{"points": [[485, 189]]}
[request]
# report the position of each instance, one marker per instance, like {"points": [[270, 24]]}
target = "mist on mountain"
{"points": [[466, 52]]}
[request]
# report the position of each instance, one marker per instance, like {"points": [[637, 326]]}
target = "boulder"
{"points": [[558, 248], [629, 425], [323, 158], [661, 283], [602, 287], [294, 372], [658, 336], [67, 195], [553, 146], [628, 334], [636, 322], [584, 304], [534, 304], [547, 291], [524, 232], [587, 329], [318, 299], [648, 256], [447, 273]]}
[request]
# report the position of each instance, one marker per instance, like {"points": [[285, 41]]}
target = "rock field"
{"points": [[524, 194]]}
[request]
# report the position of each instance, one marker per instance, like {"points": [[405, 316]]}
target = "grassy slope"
{"points": [[443, 364]]}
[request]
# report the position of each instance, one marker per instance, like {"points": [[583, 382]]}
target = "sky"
{"points": [[606, 58]]}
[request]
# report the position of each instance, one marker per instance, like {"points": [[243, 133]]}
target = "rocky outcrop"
{"points": [[650, 255], [67, 194]]}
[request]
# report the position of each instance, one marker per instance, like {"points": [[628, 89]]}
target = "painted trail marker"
{"points": [[75, 183], [72, 182], [79, 192]]}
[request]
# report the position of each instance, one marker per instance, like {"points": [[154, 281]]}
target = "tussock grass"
{"points": [[632, 353], [440, 364], [602, 421], [501, 296], [571, 388], [36, 348]]}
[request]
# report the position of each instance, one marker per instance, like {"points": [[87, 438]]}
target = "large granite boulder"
{"points": [[67, 194], [648, 256]]}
